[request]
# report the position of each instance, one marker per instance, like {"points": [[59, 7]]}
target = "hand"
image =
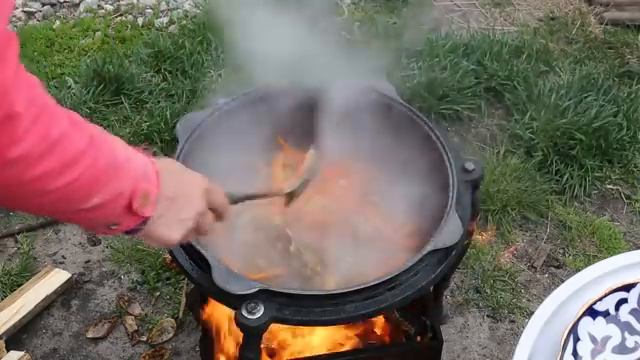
{"points": [[188, 206]]}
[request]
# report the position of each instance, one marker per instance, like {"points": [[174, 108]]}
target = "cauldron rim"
{"points": [[309, 308], [449, 227]]}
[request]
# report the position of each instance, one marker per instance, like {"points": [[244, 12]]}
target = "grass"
{"points": [[69, 44], [492, 285], [17, 271], [135, 81], [512, 190], [587, 239], [150, 272], [568, 96], [10, 220]]}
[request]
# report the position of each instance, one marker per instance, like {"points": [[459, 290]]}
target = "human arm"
{"points": [[55, 163]]}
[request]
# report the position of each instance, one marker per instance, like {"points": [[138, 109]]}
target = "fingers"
{"points": [[205, 223], [188, 206], [217, 202]]}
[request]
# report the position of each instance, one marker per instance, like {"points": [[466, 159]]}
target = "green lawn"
{"points": [[19, 269], [566, 97]]}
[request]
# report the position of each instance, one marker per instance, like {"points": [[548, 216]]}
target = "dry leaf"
{"points": [[162, 332], [102, 328], [131, 327], [135, 309], [123, 300], [170, 263], [129, 305], [159, 353]]}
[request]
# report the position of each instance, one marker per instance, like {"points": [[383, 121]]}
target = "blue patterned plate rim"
{"points": [[588, 305]]}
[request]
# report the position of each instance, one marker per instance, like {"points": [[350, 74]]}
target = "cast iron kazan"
{"points": [[203, 142]]}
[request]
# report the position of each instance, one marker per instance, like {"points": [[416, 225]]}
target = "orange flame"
{"points": [[485, 236], [282, 342]]}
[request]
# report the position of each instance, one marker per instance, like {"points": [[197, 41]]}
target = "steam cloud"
{"points": [[302, 43], [293, 42]]}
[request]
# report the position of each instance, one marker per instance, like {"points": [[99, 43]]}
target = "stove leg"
{"points": [[439, 310], [250, 349], [253, 323], [251, 346], [437, 341]]}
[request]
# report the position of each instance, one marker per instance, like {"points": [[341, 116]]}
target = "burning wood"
{"points": [[282, 342]]}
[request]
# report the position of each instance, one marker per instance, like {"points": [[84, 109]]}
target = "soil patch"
{"points": [[58, 332]]}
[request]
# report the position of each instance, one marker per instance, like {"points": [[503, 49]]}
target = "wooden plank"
{"points": [[541, 255], [21, 306], [17, 355], [616, 2], [625, 8], [620, 17]]}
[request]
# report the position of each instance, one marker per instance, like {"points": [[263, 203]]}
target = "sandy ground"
{"points": [[469, 335]]}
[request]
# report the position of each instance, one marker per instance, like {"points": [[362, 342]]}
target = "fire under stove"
{"points": [[397, 317]]}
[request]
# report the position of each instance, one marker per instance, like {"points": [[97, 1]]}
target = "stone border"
{"points": [[35, 11]]}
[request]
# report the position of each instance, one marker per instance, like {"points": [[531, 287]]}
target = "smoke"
{"points": [[301, 43], [292, 43]]}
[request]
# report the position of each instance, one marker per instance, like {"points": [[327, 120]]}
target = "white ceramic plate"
{"points": [[542, 338]]}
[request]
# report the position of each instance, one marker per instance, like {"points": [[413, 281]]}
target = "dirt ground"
{"points": [[469, 335], [58, 332]]}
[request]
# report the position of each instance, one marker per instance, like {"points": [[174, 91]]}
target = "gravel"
{"points": [[161, 12]]}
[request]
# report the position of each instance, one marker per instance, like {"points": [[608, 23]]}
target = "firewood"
{"points": [[17, 355], [21, 306], [541, 255]]}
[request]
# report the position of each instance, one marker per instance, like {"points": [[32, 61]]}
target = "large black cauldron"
{"points": [[449, 215]]}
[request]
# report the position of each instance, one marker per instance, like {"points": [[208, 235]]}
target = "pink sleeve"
{"points": [[55, 163]]}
